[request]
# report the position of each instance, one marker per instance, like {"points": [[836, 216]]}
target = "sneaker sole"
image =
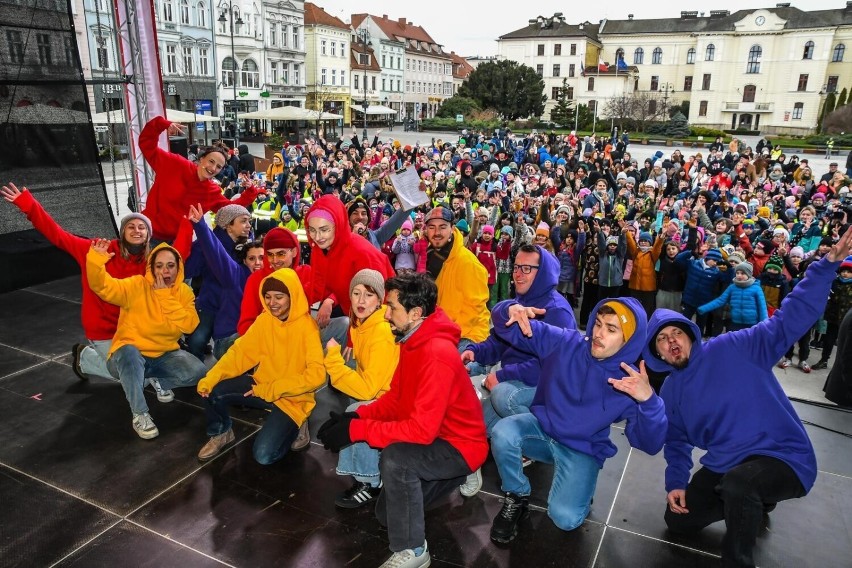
{"points": [[352, 504], [506, 540], [76, 350], [166, 399], [148, 435]]}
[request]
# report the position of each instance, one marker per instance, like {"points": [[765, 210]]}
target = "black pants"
{"points": [[647, 299], [828, 340], [414, 476], [590, 298], [804, 347], [738, 497], [605, 292]]}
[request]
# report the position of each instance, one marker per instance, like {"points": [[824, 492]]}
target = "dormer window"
{"points": [[364, 59]]}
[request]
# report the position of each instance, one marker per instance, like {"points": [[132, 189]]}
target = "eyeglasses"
{"points": [[282, 254], [525, 268]]}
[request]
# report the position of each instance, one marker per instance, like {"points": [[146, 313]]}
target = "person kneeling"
{"points": [[284, 345]]}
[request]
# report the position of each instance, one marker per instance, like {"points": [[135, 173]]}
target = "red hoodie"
{"points": [[430, 397], [176, 185], [252, 306], [99, 318], [334, 268]]}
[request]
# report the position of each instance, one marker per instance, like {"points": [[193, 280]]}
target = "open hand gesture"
{"points": [[842, 248], [196, 213], [176, 129], [10, 192], [522, 315], [101, 246]]}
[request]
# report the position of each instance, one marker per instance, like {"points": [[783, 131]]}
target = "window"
{"points": [[285, 73], [70, 52], [408, 65], [655, 82], [322, 77], [573, 49], [748, 93], [690, 55], [202, 15], [334, 49], [798, 109], [657, 56], [408, 86], [250, 75], [652, 106], [384, 61], [803, 82], [204, 61], [167, 11], [702, 108], [103, 58], [273, 71], [283, 35], [540, 70], [171, 58], [569, 93], [557, 49], [184, 12], [356, 82], [399, 85], [373, 83], [228, 68], [419, 65], [334, 77], [710, 52], [384, 84], [187, 60], [687, 83], [705, 82], [541, 49], [831, 86], [556, 70], [399, 63], [591, 85], [754, 55], [323, 49], [593, 104], [430, 67], [295, 37], [45, 57], [619, 56], [342, 77], [809, 50], [837, 54], [554, 93], [297, 74], [364, 59], [273, 33], [571, 70], [638, 56]]}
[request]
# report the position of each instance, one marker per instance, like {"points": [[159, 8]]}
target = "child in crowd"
{"points": [[744, 297], [839, 302]]}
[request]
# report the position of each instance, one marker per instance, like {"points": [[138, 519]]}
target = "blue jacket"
{"points": [[224, 278], [518, 364], [727, 400], [569, 260], [611, 266], [748, 306], [574, 403], [701, 281]]}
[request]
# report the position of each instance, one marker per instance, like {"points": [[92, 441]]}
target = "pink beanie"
{"points": [[488, 229], [407, 225], [319, 214]]}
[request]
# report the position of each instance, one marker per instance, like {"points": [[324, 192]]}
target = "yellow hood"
{"points": [[299, 306]]}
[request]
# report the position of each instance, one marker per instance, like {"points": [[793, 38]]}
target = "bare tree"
{"points": [[639, 107]]}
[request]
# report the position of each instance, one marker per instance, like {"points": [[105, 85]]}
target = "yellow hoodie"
{"points": [[152, 320], [463, 291], [287, 354], [376, 355]]}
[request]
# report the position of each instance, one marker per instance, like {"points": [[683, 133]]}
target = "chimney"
{"points": [[402, 21], [630, 17], [385, 16]]}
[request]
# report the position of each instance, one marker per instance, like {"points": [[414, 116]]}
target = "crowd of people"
{"points": [[551, 268]]}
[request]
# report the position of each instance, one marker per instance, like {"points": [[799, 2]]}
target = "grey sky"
{"points": [[470, 30]]}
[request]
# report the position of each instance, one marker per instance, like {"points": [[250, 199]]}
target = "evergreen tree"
{"points": [[563, 112], [841, 100], [678, 126]]}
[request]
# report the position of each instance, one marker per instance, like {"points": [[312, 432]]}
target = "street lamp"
{"points": [[234, 104], [666, 88], [365, 38]]}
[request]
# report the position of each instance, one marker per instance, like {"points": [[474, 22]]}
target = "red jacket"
{"points": [[100, 318], [333, 269], [486, 253], [430, 397], [176, 185]]}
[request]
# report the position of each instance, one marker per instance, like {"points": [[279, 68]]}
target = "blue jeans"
{"points": [[197, 341], [507, 399], [173, 369], [473, 368], [360, 460], [277, 433], [93, 358], [221, 346], [338, 328], [575, 474]]}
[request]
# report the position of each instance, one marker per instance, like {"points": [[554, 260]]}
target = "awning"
{"points": [[280, 113], [117, 116], [374, 109], [316, 115]]}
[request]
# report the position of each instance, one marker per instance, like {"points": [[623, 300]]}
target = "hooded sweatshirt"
{"points": [[429, 397], [151, 320], [709, 404], [176, 185], [463, 290], [575, 404], [518, 364], [334, 268], [287, 355], [273, 170]]}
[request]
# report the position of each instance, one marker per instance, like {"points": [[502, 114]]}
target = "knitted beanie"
{"points": [[746, 268], [226, 215], [713, 254], [543, 229], [272, 284], [280, 238], [774, 262], [131, 216], [370, 278], [625, 316]]}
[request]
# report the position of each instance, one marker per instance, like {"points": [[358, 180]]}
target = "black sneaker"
{"points": [[358, 495], [76, 350], [505, 526], [820, 365]]}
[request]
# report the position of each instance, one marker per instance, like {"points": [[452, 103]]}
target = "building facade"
{"points": [[759, 69], [327, 75], [285, 52], [365, 76]]}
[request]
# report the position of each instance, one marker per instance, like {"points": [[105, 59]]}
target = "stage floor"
{"points": [[79, 488]]}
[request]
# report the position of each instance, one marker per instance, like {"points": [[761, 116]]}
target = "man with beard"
{"points": [[429, 425], [757, 450]]}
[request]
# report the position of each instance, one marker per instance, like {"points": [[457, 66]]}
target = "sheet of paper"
{"points": [[406, 185]]}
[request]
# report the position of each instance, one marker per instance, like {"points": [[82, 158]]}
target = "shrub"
{"points": [[706, 132]]}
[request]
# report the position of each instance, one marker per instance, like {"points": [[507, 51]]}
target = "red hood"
{"points": [[436, 325], [335, 207]]}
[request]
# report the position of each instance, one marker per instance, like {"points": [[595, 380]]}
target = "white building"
{"points": [[327, 65]]}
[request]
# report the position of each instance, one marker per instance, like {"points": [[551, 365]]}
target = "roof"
{"points": [[402, 30], [355, 48], [316, 16], [556, 29], [461, 68]]}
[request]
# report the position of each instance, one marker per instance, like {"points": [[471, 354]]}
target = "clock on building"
{"points": [[760, 20]]}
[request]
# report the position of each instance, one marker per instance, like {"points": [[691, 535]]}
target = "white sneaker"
{"points": [[785, 363], [406, 559], [472, 484], [144, 426], [163, 395]]}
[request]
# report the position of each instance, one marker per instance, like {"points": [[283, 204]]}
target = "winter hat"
{"points": [[713, 254], [621, 175], [407, 224], [131, 216], [658, 164], [272, 284], [315, 212], [797, 252], [439, 213], [543, 229], [493, 168], [746, 268], [625, 316], [763, 211], [563, 209], [371, 278], [507, 231], [781, 231], [631, 180], [645, 236], [749, 222], [741, 208], [768, 245], [226, 215], [774, 262], [736, 258], [611, 240], [387, 210], [488, 229], [818, 195], [280, 238], [463, 226], [846, 264]]}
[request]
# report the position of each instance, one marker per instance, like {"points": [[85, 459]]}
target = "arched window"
{"points": [[184, 12], [250, 75], [748, 93], [754, 55], [228, 68], [619, 55], [657, 56], [710, 52], [837, 54], [638, 56], [202, 15], [690, 55], [809, 51]]}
